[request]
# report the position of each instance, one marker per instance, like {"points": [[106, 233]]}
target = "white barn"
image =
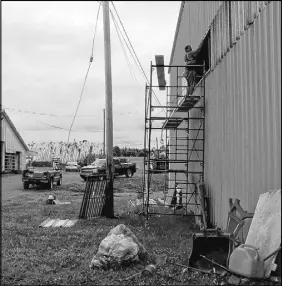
{"points": [[13, 147]]}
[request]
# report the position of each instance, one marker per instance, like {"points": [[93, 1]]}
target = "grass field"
{"points": [[61, 256]]}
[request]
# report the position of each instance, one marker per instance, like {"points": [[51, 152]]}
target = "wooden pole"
{"points": [[108, 209]]}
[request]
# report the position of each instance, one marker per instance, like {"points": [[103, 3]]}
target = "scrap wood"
{"points": [[58, 223], [192, 268], [57, 202], [138, 274]]}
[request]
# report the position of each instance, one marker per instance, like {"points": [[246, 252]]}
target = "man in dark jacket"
{"points": [[190, 72]]}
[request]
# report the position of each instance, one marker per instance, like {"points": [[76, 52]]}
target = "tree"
{"points": [[88, 158], [117, 151]]}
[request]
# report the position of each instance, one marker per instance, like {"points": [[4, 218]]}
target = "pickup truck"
{"points": [[37, 176], [122, 166]]}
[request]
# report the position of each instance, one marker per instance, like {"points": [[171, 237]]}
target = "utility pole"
{"points": [[104, 140], [89, 155], [108, 209]]}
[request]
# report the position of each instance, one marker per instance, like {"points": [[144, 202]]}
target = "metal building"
{"points": [[227, 132], [13, 148], [242, 96]]}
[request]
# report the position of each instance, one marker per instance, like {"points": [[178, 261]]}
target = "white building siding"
{"points": [[243, 101], [12, 144], [243, 117]]}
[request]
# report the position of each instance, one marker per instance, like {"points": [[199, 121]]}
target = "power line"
{"points": [[123, 49], [44, 114], [135, 54], [75, 130], [62, 128], [65, 116], [124, 39], [90, 62]]}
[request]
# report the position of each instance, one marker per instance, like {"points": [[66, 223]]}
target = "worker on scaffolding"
{"points": [[190, 72]]}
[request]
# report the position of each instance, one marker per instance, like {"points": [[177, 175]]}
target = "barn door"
{"points": [[10, 161]]}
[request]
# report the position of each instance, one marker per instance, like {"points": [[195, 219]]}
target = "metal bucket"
{"points": [[213, 244]]}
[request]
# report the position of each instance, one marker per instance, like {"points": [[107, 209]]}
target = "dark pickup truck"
{"points": [[45, 177], [122, 166]]}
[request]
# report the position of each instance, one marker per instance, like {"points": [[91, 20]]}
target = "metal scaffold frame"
{"points": [[183, 146]]}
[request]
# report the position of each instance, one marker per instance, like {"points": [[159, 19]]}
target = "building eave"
{"points": [[176, 33], [5, 115]]}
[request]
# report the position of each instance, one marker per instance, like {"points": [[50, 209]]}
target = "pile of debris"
{"points": [[214, 252], [120, 247]]}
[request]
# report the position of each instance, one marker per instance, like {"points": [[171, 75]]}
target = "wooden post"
{"points": [[89, 155], [108, 209]]}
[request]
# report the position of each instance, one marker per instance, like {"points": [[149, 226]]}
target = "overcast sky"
{"points": [[46, 47]]}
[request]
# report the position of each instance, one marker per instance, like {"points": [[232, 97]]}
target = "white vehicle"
{"points": [[72, 166]]}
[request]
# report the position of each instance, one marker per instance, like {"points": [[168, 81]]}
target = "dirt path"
{"points": [[12, 187]]}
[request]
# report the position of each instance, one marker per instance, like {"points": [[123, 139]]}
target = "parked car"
{"points": [[122, 166], [41, 177], [72, 166]]}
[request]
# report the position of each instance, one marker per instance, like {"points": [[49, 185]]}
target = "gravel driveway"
{"points": [[12, 187]]}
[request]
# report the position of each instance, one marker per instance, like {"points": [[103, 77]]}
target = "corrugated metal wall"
{"points": [[195, 13], [229, 24], [12, 143], [243, 117], [243, 99]]}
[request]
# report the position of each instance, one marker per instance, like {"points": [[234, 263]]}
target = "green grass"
{"points": [[61, 256]]}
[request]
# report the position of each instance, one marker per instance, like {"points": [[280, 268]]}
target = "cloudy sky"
{"points": [[46, 47]]}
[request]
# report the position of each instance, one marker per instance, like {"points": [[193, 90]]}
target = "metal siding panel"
{"points": [[242, 123], [243, 105], [194, 13], [251, 112], [265, 97], [270, 97], [272, 77], [277, 47], [12, 143], [248, 145]]}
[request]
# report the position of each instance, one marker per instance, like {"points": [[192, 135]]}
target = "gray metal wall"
{"points": [[243, 102], [243, 117]]}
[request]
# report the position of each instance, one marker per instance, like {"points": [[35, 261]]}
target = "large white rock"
{"points": [[120, 247]]}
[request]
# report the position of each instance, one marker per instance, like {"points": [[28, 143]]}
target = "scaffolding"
{"points": [[181, 126]]}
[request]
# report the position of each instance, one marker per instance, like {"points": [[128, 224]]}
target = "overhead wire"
{"points": [[124, 51], [66, 129], [89, 65], [144, 74], [59, 127], [133, 57], [59, 115], [66, 116], [44, 114]]}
